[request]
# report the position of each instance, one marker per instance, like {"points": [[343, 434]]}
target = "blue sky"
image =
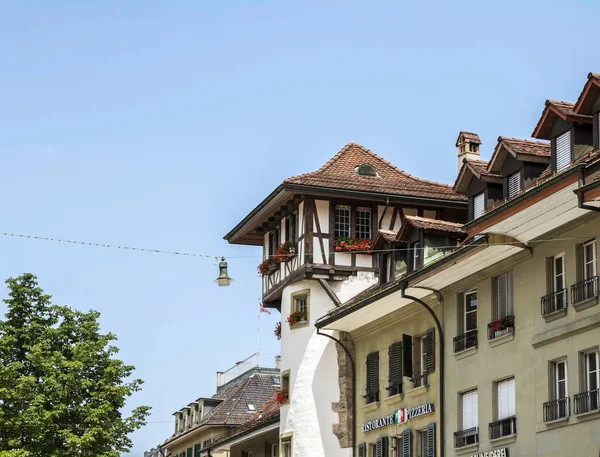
{"points": [[162, 124]]}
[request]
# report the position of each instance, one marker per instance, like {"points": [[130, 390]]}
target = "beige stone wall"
{"points": [[378, 336], [197, 436], [260, 446], [526, 354]]}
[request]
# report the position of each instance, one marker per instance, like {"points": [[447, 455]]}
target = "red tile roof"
{"points": [[340, 173], [527, 147], [469, 136], [552, 110], [426, 223], [588, 95]]}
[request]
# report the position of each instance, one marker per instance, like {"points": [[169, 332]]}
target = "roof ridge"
{"points": [[422, 218], [508, 138], [550, 101]]}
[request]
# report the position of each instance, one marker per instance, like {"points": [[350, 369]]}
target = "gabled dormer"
{"points": [[588, 104], [570, 133]]}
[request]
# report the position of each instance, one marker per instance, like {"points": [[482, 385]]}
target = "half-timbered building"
{"points": [[318, 232]]}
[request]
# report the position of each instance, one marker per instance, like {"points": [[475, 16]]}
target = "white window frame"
{"points": [[416, 255], [467, 311], [363, 223], [343, 228], [557, 380], [591, 374], [560, 256], [505, 398], [469, 409], [286, 444], [510, 305], [591, 261]]}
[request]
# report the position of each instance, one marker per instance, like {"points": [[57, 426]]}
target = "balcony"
{"points": [[503, 427], [465, 341], [584, 290], [466, 437], [586, 402], [557, 409], [556, 301], [503, 326], [419, 381]]}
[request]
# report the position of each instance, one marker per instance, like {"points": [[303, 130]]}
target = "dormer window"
{"points": [[563, 151], [366, 170], [478, 205], [514, 185]]}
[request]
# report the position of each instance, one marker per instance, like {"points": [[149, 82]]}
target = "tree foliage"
{"points": [[61, 388]]}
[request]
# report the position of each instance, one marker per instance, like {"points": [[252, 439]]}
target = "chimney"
{"points": [[278, 362], [219, 374], [468, 147]]}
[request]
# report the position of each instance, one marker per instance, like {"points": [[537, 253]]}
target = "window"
{"points": [[291, 230], [422, 443], [478, 205], [247, 453], [406, 446], [424, 357], [395, 367], [286, 447], [589, 259], [589, 399], [342, 221], [416, 251], [197, 450], [251, 407], [587, 273], [470, 311], [504, 295], [362, 450], [514, 185], [363, 223], [470, 410], [558, 406], [274, 450], [382, 447], [560, 389], [426, 441], [273, 241], [591, 371], [372, 387], [189, 452], [300, 302], [366, 170], [563, 151], [505, 394]]}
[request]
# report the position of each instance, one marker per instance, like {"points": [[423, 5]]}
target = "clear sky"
{"points": [[162, 124]]}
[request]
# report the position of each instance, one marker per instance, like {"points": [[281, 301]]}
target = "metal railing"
{"points": [[554, 302], [587, 401], [465, 341], [584, 290], [503, 427], [557, 409], [466, 437], [419, 381], [500, 327]]}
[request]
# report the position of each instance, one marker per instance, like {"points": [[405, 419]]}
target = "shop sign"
{"points": [[400, 416], [496, 453]]}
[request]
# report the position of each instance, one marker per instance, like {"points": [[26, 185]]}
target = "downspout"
{"points": [[581, 183], [353, 386], [403, 294]]}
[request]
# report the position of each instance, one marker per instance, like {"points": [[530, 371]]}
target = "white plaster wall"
{"points": [[342, 258], [312, 361], [323, 214], [364, 260]]}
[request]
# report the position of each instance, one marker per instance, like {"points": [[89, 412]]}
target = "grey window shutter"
{"points": [[430, 348], [395, 364], [579, 261], [385, 446], [549, 275], [190, 452], [514, 185], [362, 450], [407, 443], [197, 450], [373, 373], [478, 205], [378, 448], [407, 356], [431, 440]]}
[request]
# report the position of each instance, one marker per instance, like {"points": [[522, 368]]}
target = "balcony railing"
{"points": [[500, 327], [587, 401], [466, 437], [504, 427], [419, 381], [584, 290], [557, 409], [465, 341], [554, 302]]}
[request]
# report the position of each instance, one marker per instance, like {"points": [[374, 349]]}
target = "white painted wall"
{"points": [[312, 361]]}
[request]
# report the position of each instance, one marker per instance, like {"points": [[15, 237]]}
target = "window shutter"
{"points": [[362, 450], [514, 185], [549, 275], [430, 349], [385, 446], [506, 398], [197, 450], [478, 205], [407, 356], [372, 373], [563, 151], [579, 261], [407, 443], [378, 448], [469, 410], [431, 440], [395, 364]]}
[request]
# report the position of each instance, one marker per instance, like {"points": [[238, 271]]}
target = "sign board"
{"points": [[401, 416], [495, 453]]}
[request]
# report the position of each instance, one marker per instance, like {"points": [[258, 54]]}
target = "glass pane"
{"points": [[558, 265], [471, 321]]}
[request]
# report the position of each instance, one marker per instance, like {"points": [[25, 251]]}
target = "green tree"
{"points": [[61, 388]]}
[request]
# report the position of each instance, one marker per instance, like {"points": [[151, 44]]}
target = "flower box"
{"points": [[501, 327], [277, 330], [286, 251], [283, 396], [268, 266], [297, 318], [358, 245]]}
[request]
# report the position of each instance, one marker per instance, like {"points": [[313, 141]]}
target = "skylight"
{"points": [[251, 407], [366, 170]]}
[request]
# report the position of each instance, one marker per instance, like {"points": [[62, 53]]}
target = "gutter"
{"points": [[524, 195], [584, 188]]}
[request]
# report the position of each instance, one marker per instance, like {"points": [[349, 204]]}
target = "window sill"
{"points": [[504, 440], [555, 315], [558, 423], [465, 353], [502, 339], [595, 414], [299, 325], [468, 449], [370, 406], [393, 399], [585, 304], [418, 391]]}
